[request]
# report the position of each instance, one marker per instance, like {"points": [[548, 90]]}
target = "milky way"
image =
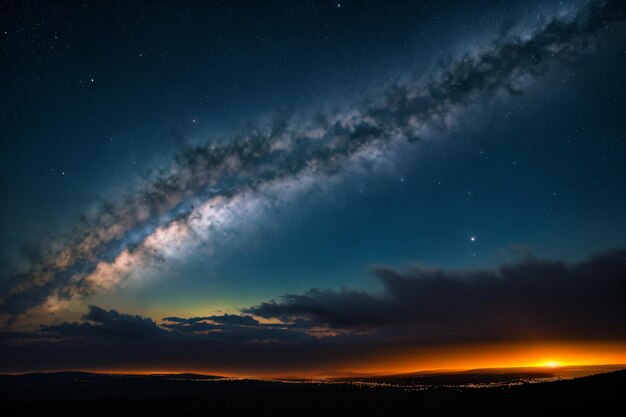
{"points": [[209, 189]]}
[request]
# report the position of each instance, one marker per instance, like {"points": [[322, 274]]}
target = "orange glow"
{"points": [[554, 355]]}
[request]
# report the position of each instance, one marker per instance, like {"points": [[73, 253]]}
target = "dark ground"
{"points": [[67, 394]]}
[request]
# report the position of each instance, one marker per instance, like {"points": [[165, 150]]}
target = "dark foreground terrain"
{"points": [[74, 393]]}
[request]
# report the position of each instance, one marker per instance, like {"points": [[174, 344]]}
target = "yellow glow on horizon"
{"points": [[522, 355], [554, 355]]}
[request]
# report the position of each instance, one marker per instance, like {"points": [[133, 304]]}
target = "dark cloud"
{"points": [[532, 300], [103, 324], [100, 325], [233, 328], [223, 319], [104, 247], [106, 339]]}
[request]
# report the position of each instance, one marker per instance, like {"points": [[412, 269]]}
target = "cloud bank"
{"points": [[533, 300], [208, 189]]}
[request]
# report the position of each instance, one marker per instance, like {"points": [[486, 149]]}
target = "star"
{"points": [[472, 238]]}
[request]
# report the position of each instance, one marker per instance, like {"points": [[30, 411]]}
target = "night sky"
{"points": [[311, 186]]}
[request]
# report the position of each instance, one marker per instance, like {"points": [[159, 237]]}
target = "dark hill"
{"points": [[105, 395]]}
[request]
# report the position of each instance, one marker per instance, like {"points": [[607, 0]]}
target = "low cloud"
{"points": [[102, 324], [528, 301], [223, 319]]}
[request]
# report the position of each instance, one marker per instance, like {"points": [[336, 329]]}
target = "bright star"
{"points": [[472, 238]]}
